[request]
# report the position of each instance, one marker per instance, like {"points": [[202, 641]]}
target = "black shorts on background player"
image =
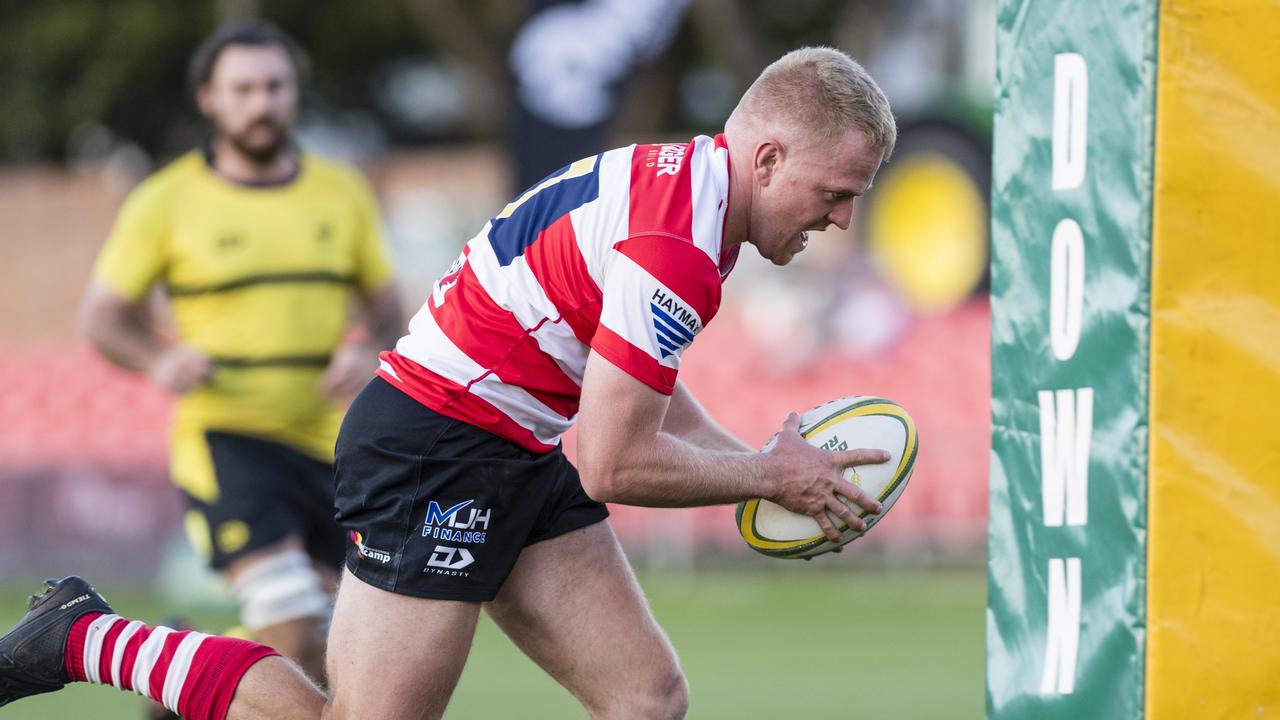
{"points": [[438, 508], [267, 491]]}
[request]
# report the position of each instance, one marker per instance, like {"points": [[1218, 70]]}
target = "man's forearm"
{"points": [[627, 454], [633, 449], [126, 339], [385, 330], [687, 419], [384, 317], [670, 471]]}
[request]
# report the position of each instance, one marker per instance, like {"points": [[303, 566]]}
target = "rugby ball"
{"points": [[844, 424]]}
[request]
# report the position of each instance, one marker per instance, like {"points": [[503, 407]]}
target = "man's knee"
{"points": [[299, 638], [277, 588], [284, 604], [667, 697], [664, 695]]}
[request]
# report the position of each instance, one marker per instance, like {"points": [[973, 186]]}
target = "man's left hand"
{"points": [[350, 369]]}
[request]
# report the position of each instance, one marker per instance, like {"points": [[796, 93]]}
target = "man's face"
{"points": [[252, 98], [808, 188]]}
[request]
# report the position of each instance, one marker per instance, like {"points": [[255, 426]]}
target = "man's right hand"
{"points": [[811, 480], [624, 456], [181, 369]]}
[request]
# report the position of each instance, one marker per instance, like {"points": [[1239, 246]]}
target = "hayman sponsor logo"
{"points": [[365, 551], [460, 523], [674, 324]]}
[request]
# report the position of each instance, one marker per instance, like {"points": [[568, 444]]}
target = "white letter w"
{"points": [[1065, 433]]}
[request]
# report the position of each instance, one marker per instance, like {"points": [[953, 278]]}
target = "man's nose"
{"points": [[841, 216], [262, 99]]}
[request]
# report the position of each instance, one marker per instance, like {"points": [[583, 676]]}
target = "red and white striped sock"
{"points": [[193, 674]]}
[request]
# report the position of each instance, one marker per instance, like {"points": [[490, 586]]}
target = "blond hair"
{"points": [[824, 91]]}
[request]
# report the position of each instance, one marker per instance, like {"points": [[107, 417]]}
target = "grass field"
{"points": [[800, 642]]}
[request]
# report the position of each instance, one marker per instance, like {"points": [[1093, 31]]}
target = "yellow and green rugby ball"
{"points": [[844, 424]]}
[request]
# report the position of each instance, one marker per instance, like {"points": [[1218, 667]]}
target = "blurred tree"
{"points": [[72, 62], [122, 64], [418, 70]]}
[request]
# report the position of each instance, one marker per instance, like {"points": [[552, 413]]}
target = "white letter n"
{"points": [[1062, 629], [1066, 429]]}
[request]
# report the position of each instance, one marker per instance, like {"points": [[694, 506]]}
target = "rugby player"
{"points": [[574, 302], [260, 248]]}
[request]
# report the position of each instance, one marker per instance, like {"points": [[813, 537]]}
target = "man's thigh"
{"points": [[573, 605], [394, 656]]}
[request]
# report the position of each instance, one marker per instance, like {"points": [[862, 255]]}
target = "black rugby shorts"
{"points": [[267, 491], [438, 508]]}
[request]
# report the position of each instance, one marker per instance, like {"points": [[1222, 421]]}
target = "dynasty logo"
{"points": [[447, 560]]}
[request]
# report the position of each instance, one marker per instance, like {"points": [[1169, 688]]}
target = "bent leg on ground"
{"points": [[573, 605], [392, 656], [275, 688]]}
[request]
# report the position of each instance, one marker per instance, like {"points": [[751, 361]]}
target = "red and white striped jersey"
{"points": [[619, 253]]}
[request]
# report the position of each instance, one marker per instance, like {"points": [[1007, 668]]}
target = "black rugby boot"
{"points": [[32, 654]]}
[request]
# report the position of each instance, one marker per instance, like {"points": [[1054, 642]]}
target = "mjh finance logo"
{"points": [[461, 523]]}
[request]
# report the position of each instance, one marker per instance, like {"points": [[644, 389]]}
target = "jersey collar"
{"points": [[206, 152]]}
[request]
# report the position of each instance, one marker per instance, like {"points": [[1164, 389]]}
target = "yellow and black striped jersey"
{"points": [[261, 279]]}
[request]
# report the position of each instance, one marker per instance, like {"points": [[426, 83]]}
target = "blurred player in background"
{"points": [[574, 302], [261, 248]]}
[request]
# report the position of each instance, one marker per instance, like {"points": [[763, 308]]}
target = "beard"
{"points": [[260, 152]]}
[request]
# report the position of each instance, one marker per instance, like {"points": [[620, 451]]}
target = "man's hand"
{"points": [[181, 369], [811, 481], [350, 369], [625, 455]]}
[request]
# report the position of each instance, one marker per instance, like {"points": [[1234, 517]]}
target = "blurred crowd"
{"points": [[449, 107]]}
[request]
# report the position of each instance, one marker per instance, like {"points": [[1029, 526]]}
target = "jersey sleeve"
{"points": [[659, 292], [373, 267], [134, 254]]}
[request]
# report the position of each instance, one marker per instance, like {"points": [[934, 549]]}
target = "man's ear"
{"points": [[204, 99], [767, 159]]}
